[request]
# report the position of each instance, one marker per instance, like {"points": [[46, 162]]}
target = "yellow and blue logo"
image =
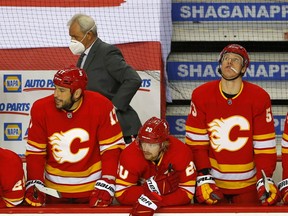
{"points": [[12, 83], [12, 131]]}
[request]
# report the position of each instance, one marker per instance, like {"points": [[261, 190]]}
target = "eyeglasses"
{"points": [[235, 60]]}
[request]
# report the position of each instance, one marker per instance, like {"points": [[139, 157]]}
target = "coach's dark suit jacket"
{"points": [[110, 75]]}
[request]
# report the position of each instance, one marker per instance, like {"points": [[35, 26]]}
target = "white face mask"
{"points": [[76, 47]]}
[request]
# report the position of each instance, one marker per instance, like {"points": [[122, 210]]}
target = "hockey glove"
{"points": [[283, 187], [207, 191], [268, 195], [163, 184], [103, 194], [146, 205], [33, 196]]}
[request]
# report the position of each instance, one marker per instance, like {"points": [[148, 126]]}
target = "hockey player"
{"points": [[155, 170], [74, 143], [12, 180], [283, 185], [230, 129]]}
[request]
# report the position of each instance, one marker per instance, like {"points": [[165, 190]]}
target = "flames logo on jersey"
{"points": [[61, 145], [220, 133]]}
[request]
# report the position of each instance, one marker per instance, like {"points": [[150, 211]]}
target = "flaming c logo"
{"points": [[61, 145], [220, 133]]}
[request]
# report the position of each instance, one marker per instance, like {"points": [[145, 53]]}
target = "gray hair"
{"points": [[85, 22]]}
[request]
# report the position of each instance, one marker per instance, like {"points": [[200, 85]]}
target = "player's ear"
{"points": [[243, 69], [77, 93], [90, 34]]}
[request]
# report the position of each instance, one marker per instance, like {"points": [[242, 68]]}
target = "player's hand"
{"points": [[207, 191], [33, 196], [103, 194], [163, 183], [270, 197], [146, 205], [283, 188]]}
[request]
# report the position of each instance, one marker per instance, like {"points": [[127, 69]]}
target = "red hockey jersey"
{"points": [[74, 148], [134, 169], [12, 181], [284, 144], [234, 137]]}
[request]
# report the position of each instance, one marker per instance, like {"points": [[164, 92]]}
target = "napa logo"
{"points": [[12, 83], [12, 131]]}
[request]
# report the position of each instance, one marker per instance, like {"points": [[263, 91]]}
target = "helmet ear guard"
{"points": [[72, 78]]}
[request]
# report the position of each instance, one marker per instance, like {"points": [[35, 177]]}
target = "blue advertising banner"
{"points": [[232, 11], [257, 71]]}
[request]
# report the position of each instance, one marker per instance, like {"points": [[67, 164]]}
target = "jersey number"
{"points": [[123, 173], [19, 185], [268, 115], [113, 117], [190, 169], [193, 109]]}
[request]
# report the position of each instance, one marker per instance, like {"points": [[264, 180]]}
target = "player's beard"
{"points": [[66, 105], [152, 157], [148, 156]]}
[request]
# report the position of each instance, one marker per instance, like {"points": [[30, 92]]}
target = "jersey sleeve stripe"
{"points": [[111, 139], [264, 136], [285, 137], [36, 145], [195, 137], [196, 130], [265, 151], [284, 150], [264, 144], [13, 202], [193, 143]]}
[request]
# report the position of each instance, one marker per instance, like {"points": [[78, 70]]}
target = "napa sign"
{"points": [[235, 11]]}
